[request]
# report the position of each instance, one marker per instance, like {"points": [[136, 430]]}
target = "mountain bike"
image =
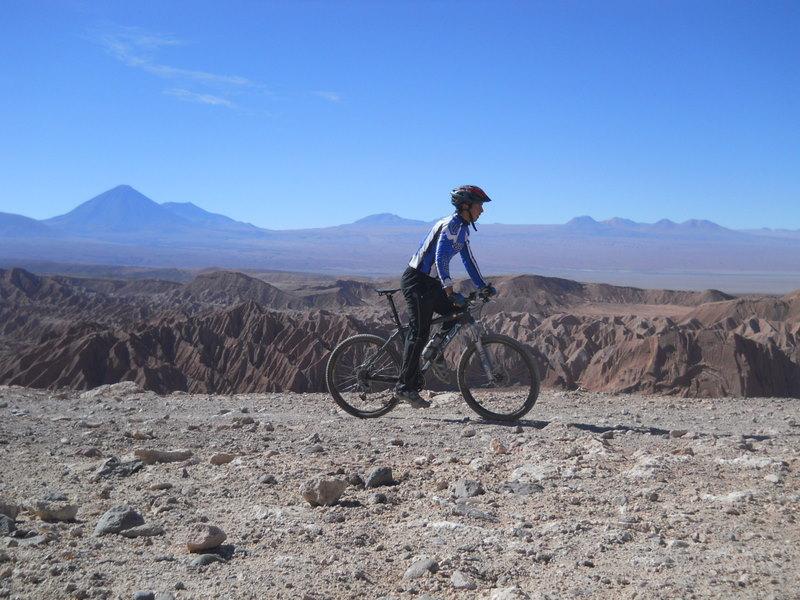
{"points": [[496, 374]]}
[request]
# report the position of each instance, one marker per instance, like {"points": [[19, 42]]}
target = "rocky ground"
{"points": [[600, 496]]}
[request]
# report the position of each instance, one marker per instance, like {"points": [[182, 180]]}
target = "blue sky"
{"points": [[291, 114]]}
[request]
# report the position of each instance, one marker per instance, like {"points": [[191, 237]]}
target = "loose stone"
{"points": [[378, 477], [467, 488], [509, 593], [8, 508], [7, 525], [54, 506], [117, 519], [206, 559], [222, 458], [151, 456], [461, 582], [113, 467], [322, 491], [497, 447], [421, 567], [143, 531], [204, 537]]}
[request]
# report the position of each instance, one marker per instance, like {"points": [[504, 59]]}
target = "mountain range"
{"points": [[124, 227]]}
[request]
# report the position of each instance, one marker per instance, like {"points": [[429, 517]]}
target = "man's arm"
{"points": [[472, 266], [444, 251]]}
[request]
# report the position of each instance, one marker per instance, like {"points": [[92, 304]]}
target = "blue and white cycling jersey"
{"points": [[446, 238]]}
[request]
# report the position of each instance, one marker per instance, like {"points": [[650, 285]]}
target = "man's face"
{"points": [[475, 210]]}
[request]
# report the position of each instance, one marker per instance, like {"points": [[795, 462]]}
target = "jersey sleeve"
{"points": [[444, 252], [471, 265]]}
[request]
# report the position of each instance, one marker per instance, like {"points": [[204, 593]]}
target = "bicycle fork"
{"points": [[486, 362]]}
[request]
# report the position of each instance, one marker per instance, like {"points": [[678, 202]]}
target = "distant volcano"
{"points": [[119, 210], [388, 220]]}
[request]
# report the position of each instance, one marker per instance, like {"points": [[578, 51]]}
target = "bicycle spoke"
{"points": [[358, 362], [507, 387]]}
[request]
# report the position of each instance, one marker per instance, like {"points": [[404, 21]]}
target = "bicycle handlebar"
{"points": [[472, 297]]}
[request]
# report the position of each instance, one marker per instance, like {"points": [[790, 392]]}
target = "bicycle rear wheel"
{"points": [[512, 387], [351, 375]]}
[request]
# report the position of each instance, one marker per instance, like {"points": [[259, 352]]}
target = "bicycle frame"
{"points": [[464, 320]]}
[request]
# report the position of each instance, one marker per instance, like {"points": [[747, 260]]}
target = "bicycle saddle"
{"points": [[387, 292]]}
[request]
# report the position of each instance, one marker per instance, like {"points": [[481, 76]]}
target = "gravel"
{"points": [[566, 510]]}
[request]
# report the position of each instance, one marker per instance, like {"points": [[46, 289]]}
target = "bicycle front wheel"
{"points": [[503, 385], [361, 374]]}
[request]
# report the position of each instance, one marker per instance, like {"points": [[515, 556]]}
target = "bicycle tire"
{"points": [[525, 360], [334, 363]]}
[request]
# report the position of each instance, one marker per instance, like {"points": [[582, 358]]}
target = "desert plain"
{"points": [[595, 495]]}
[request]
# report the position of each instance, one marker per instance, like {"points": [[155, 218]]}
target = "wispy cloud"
{"points": [[190, 96], [329, 96], [139, 49], [136, 48]]}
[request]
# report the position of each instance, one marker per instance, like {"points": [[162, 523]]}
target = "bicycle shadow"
{"points": [[539, 424], [622, 429]]}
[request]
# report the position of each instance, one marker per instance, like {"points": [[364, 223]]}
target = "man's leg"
{"points": [[443, 306], [420, 313]]}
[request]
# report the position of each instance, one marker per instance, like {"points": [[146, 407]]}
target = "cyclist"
{"points": [[425, 294]]}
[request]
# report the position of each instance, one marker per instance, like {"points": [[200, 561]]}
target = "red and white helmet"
{"points": [[468, 194]]}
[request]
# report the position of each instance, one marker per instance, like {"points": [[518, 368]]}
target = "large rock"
{"points": [[118, 519], [54, 506], [323, 491], [204, 537], [151, 456]]}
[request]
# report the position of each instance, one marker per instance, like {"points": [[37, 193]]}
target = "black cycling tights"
{"points": [[424, 296]]}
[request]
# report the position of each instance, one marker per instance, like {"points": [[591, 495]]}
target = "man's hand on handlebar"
{"points": [[487, 291], [458, 300]]}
